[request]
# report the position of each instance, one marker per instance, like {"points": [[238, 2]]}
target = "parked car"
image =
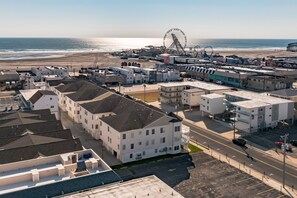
{"points": [[287, 146], [239, 141], [234, 89], [219, 82]]}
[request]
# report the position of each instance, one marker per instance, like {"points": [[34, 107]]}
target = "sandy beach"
{"points": [[105, 59]]}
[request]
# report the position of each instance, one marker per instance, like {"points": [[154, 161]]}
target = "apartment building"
{"points": [[212, 104], [131, 130], [256, 111], [192, 97], [171, 93]]}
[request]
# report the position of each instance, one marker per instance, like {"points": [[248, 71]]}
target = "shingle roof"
{"points": [[37, 128], [39, 94], [74, 86], [87, 93], [9, 76], [28, 135], [35, 151], [21, 118]]}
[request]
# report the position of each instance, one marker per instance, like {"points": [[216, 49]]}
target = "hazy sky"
{"points": [[148, 18]]}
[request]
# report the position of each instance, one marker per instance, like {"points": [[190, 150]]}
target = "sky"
{"points": [[149, 18]]}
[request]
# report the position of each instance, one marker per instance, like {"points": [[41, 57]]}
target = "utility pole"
{"points": [[285, 137], [144, 86]]}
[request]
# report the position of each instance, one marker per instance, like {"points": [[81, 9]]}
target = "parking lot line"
{"points": [[244, 180], [251, 186], [265, 191]]}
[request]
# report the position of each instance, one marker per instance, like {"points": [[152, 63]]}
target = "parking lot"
{"points": [[9, 103], [200, 175], [267, 139]]}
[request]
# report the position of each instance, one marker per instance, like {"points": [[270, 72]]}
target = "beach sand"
{"points": [[105, 59]]}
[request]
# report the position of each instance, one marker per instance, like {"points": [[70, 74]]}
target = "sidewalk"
{"points": [[223, 130], [288, 190], [88, 141]]}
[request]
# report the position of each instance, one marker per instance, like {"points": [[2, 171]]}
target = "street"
{"points": [[261, 162]]}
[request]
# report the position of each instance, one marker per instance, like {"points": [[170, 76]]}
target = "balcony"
{"points": [[243, 112]]}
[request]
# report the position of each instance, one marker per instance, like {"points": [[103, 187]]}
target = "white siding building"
{"points": [[130, 130], [256, 111], [212, 104]]}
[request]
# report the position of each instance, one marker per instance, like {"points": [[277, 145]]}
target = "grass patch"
{"points": [[194, 149], [146, 161], [149, 96]]}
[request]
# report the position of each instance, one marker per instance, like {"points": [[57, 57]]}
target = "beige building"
{"points": [[192, 97], [171, 93]]}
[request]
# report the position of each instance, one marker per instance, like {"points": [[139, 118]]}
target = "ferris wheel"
{"points": [[175, 40]]}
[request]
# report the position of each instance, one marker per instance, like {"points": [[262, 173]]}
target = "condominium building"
{"points": [[192, 97], [171, 93], [129, 129], [256, 111], [212, 104]]}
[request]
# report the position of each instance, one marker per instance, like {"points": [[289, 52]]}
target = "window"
{"points": [[92, 126], [96, 126], [153, 131], [124, 136], [238, 108], [92, 117], [52, 107], [156, 150], [147, 132], [153, 142], [77, 112], [132, 146], [124, 147], [143, 152], [177, 128], [51, 98], [108, 128], [162, 140], [100, 123], [139, 143], [147, 143], [131, 155], [161, 130], [176, 148], [86, 121]]}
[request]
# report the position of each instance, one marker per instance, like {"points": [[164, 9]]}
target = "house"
{"points": [[9, 79], [35, 99]]}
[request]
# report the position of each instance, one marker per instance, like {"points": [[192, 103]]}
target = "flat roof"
{"points": [[258, 97], [149, 186], [250, 104], [49, 164], [196, 84], [194, 90], [213, 95]]}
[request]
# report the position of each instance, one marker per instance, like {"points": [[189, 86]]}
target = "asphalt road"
{"points": [[261, 162]]}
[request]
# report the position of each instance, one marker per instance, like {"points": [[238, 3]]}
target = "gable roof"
{"points": [[73, 86], [39, 94], [87, 93]]}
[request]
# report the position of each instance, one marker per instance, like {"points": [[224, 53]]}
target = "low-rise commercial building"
{"points": [[268, 83]]}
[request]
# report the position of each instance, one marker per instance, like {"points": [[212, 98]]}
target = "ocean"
{"points": [[23, 48]]}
